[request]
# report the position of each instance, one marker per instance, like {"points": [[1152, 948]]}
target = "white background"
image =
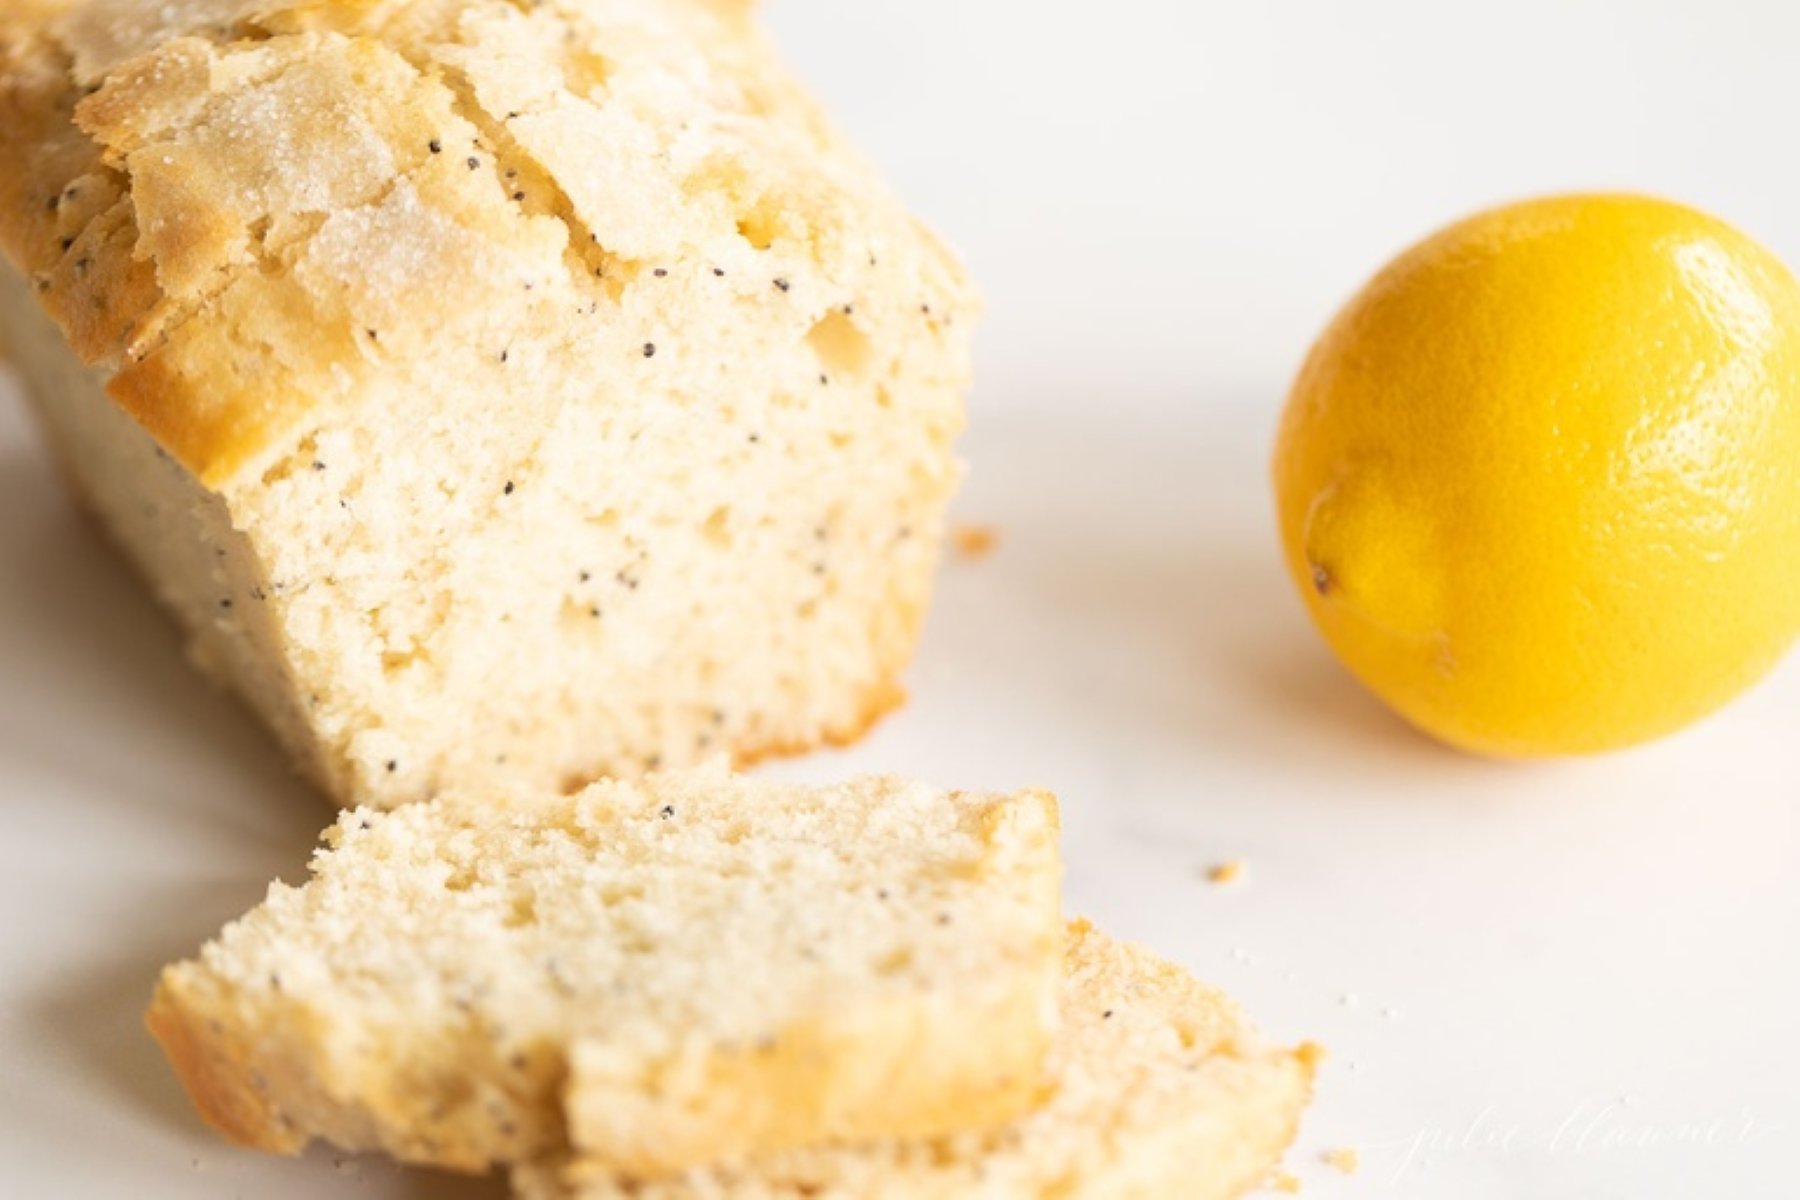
{"points": [[1548, 983]]}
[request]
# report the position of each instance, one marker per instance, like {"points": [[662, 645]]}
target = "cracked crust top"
{"points": [[240, 208]]}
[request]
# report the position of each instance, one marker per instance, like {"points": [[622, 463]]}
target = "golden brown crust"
{"points": [[209, 1042], [65, 218], [197, 276], [881, 700], [205, 1060], [258, 329]]}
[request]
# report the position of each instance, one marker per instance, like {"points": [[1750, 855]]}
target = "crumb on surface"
{"points": [[1344, 1159], [1285, 1182], [974, 541], [1233, 871]]}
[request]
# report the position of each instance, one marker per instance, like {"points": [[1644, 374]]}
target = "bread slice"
{"points": [[499, 394], [1162, 1092], [690, 966]]}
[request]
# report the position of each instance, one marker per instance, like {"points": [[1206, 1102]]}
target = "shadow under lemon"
{"points": [[1144, 551]]}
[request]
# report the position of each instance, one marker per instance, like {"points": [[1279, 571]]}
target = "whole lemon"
{"points": [[1539, 482]]}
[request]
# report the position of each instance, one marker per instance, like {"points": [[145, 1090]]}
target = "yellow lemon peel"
{"points": [[1539, 482]]}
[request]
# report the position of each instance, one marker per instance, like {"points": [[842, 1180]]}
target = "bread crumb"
{"points": [[974, 541], [1345, 1159], [1285, 1182], [1228, 872]]}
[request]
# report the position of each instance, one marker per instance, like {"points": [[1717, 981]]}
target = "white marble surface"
{"points": [[1559, 982]]}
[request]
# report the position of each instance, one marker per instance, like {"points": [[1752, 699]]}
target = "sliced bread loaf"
{"points": [[704, 966], [1161, 1092], [499, 393]]}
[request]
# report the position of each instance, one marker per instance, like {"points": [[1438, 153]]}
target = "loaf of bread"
{"points": [[649, 974], [1161, 1092], [499, 394]]}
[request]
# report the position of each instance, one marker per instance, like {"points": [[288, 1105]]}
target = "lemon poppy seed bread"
{"points": [[1160, 1090], [498, 394], [648, 974]]}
